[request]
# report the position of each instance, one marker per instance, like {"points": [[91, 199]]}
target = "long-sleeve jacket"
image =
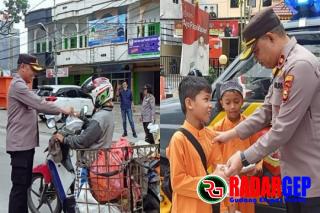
{"points": [[23, 106], [293, 107], [97, 133], [148, 108]]}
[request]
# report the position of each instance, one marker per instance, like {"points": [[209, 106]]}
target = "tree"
{"points": [[14, 13]]}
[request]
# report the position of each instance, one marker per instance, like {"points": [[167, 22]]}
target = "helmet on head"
{"points": [[102, 92]]}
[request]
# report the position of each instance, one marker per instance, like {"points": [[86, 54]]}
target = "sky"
{"points": [[34, 5]]}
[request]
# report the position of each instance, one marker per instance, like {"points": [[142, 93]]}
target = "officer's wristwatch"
{"points": [[244, 160]]}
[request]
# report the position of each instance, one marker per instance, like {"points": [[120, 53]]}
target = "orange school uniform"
{"points": [[186, 168], [228, 149]]}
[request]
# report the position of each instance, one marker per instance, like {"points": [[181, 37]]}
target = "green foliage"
{"points": [[13, 13], [16, 9], [213, 75]]}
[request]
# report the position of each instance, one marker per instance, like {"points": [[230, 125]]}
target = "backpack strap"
{"points": [[214, 207], [196, 145]]}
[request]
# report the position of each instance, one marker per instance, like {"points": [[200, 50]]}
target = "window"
{"points": [[251, 3], [266, 3], [44, 47], [50, 46], [71, 93], [84, 95], [140, 31], [66, 43], [38, 47], [234, 4], [254, 79], [175, 1], [73, 42], [85, 41], [154, 29], [80, 41]]}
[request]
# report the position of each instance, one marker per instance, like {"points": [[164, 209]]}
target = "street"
{"points": [[6, 169], [45, 134]]}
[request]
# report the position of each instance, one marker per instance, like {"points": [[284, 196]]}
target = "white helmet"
{"points": [[102, 92]]}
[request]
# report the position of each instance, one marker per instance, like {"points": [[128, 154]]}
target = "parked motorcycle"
{"points": [[53, 181]]}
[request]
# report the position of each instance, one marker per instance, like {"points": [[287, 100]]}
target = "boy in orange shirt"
{"points": [[231, 100], [186, 168]]}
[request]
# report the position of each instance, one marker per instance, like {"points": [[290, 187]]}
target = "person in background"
{"points": [[231, 100], [126, 111], [148, 112]]}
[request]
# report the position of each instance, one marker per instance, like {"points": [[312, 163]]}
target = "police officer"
{"points": [[22, 129], [292, 105]]}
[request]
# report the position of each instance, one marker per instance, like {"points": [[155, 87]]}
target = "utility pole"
{"points": [[241, 20], [54, 44]]}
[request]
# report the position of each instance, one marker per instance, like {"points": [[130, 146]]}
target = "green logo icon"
{"points": [[212, 189]]}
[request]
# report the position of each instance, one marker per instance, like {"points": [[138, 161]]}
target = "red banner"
{"points": [[195, 48]]}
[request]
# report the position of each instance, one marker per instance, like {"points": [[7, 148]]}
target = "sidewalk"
{"points": [[117, 118]]}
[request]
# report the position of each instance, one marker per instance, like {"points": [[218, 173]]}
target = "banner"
{"points": [[144, 47], [61, 72], [195, 46], [107, 30], [224, 28]]}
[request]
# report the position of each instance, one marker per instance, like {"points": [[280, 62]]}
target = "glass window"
{"points": [[254, 79], [151, 30], [38, 47], [73, 42], [43, 46], [266, 3], [80, 41], [71, 93], [85, 41], [66, 43], [310, 40], [50, 46], [234, 4], [154, 29], [251, 3]]}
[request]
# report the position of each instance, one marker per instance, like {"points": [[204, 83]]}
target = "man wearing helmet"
{"points": [[99, 131]]}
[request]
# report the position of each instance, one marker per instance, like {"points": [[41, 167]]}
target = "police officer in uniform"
{"points": [[292, 106], [22, 129]]}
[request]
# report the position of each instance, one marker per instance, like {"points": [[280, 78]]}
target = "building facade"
{"points": [[9, 50], [116, 39]]}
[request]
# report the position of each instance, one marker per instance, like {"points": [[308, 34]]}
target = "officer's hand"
{"points": [[256, 171], [68, 110], [58, 137], [234, 165], [223, 137]]}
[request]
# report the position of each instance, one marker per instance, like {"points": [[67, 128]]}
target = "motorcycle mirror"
{"points": [[51, 123]]}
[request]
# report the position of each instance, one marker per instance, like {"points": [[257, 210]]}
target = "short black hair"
{"points": [[190, 87], [149, 88]]}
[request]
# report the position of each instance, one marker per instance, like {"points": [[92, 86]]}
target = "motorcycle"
{"points": [[151, 200], [53, 181]]}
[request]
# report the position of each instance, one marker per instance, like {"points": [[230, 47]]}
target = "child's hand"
{"points": [[220, 172]]}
